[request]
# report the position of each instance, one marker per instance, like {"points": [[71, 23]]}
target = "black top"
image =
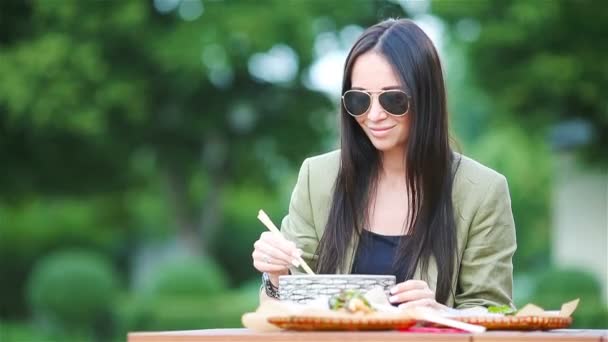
{"points": [[375, 254]]}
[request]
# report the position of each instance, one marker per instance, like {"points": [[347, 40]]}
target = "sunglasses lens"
{"points": [[356, 102], [394, 102]]}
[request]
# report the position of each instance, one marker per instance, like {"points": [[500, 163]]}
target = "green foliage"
{"points": [[540, 64], [16, 331], [187, 277], [503, 309], [240, 230], [169, 312], [72, 289], [149, 81], [554, 287], [558, 286], [32, 229], [524, 159]]}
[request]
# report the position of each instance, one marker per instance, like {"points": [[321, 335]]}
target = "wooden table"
{"points": [[246, 335]]}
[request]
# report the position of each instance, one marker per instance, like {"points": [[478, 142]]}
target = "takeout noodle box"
{"points": [[567, 309], [305, 288]]}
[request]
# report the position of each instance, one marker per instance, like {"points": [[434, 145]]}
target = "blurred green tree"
{"points": [[87, 87], [140, 114], [541, 63]]}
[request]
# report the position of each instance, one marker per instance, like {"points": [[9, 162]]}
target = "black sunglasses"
{"points": [[358, 102]]}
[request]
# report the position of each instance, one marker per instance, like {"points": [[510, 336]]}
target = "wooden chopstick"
{"points": [[431, 315], [268, 223]]}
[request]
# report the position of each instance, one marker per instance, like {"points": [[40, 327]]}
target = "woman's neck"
{"points": [[393, 163]]}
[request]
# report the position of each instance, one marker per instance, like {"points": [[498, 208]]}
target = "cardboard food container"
{"points": [[530, 317]]}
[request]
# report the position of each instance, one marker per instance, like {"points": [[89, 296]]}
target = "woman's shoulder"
{"points": [[469, 172], [325, 159], [473, 184], [473, 173], [322, 171], [324, 165], [470, 177]]}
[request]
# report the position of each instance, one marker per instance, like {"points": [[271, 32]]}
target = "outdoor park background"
{"points": [[138, 139]]}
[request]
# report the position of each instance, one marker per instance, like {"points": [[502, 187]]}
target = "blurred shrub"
{"points": [[184, 312], [17, 332], [557, 286], [24, 331], [175, 304], [187, 277], [72, 289], [31, 230]]}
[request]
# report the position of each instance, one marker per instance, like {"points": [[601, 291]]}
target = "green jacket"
{"points": [[484, 222]]}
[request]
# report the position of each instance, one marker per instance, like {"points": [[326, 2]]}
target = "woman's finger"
{"points": [[268, 268], [412, 295], [420, 302], [409, 285], [268, 259], [279, 242], [276, 254], [264, 263]]}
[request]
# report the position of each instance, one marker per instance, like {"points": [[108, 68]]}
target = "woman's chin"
{"points": [[383, 146], [387, 145]]}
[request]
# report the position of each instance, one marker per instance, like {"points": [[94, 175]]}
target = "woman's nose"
{"points": [[376, 112]]}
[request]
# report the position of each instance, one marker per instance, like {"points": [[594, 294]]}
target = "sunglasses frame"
{"points": [[371, 96]]}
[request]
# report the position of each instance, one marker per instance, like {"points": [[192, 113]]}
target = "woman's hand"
{"points": [[413, 293], [273, 254]]}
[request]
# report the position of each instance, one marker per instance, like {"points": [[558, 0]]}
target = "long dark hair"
{"points": [[429, 162]]}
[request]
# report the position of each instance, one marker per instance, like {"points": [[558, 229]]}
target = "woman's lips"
{"points": [[380, 132]]}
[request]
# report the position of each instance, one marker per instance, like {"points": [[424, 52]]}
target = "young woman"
{"points": [[395, 199]]}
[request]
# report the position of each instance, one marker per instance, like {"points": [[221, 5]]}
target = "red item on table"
{"points": [[433, 330]]}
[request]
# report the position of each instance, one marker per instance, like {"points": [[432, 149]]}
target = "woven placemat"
{"points": [[519, 323], [339, 323]]}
